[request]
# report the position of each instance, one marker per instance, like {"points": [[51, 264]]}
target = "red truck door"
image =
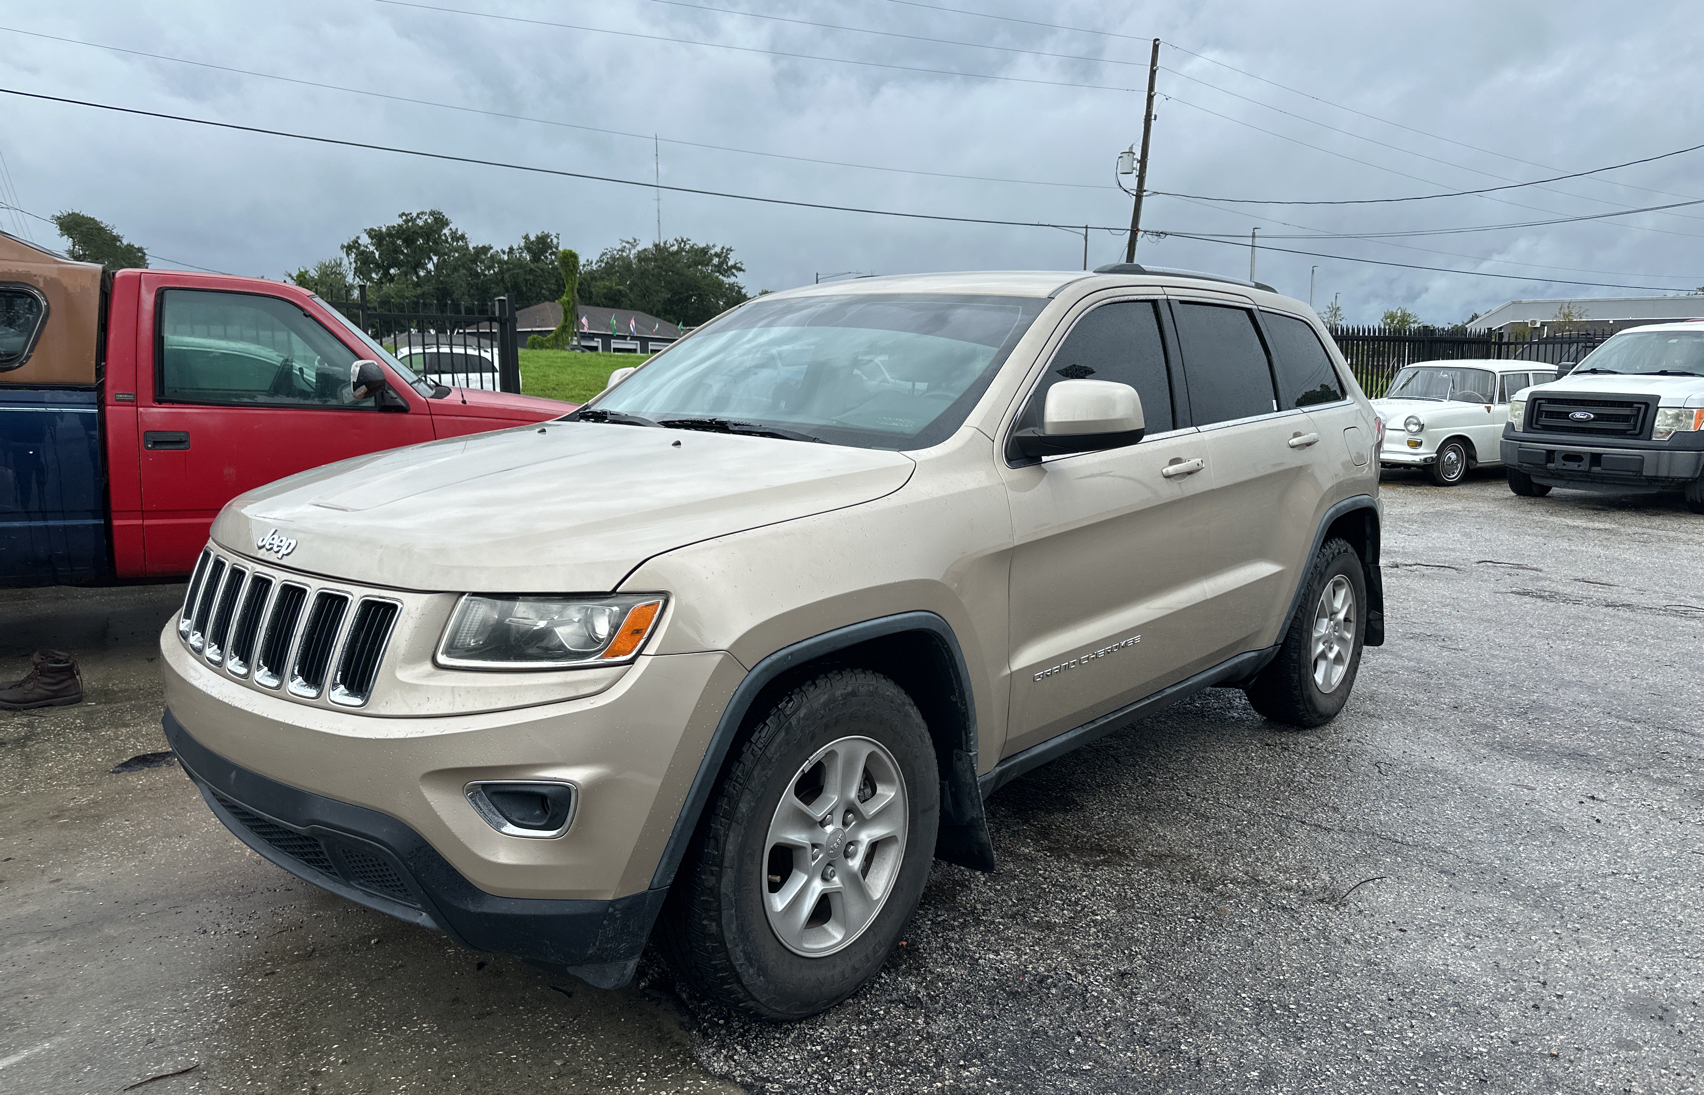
{"points": [[247, 385]]}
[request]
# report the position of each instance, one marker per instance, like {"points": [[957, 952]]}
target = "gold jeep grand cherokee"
{"points": [[732, 653]]}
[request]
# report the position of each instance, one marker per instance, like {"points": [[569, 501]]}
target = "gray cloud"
{"points": [[1537, 86]]}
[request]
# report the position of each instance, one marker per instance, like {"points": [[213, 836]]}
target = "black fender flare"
{"points": [[964, 836]]}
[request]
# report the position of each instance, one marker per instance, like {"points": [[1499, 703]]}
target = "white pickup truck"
{"points": [[1629, 420]]}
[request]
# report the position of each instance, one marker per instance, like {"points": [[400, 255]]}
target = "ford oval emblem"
{"points": [[1582, 416]]}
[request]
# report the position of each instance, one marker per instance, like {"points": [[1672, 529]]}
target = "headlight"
{"points": [[1673, 420], [1413, 424], [1517, 413], [547, 632]]}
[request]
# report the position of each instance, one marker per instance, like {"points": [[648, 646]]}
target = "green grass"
{"points": [[565, 374]]}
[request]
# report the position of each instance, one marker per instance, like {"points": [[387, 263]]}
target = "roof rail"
{"points": [[1134, 268]]}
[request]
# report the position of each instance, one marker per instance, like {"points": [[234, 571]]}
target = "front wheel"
{"points": [[1695, 495], [1309, 681], [814, 853], [1521, 483], [1451, 465]]}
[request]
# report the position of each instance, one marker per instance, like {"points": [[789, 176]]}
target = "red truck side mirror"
{"points": [[367, 378]]}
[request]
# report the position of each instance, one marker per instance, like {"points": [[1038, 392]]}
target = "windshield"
{"points": [[424, 387], [877, 372], [1443, 382], [1648, 352]]}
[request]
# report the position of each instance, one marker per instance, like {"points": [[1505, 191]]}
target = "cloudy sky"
{"points": [[1006, 110]]}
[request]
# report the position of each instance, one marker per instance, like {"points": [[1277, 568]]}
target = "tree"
{"points": [[568, 262], [1568, 318], [684, 282], [96, 241], [327, 279], [424, 257], [1333, 314], [1400, 319]]}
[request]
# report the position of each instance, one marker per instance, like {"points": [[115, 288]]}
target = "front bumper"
{"points": [[1598, 467], [377, 861]]}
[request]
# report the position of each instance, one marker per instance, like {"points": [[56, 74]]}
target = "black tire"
{"points": [[1695, 495], [1452, 463], [1521, 483], [717, 928], [1287, 690]]}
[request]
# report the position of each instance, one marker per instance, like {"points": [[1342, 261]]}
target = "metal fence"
{"points": [[464, 346], [1377, 354]]}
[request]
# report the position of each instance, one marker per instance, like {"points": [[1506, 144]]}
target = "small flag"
{"points": [[612, 327], [584, 324], [655, 325], [632, 325]]}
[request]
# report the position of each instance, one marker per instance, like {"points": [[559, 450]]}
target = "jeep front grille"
{"points": [[286, 633], [1608, 417]]}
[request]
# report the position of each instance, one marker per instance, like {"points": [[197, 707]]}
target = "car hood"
{"points": [[1674, 391], [560, 507], [467, 409], [1393, 411]]}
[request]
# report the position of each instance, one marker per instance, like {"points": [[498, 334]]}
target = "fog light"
{"points": [[534, 808], [1413, 442]]}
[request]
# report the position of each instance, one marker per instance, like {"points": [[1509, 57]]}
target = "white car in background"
{"points": [[1448, 416], [458, 366]]}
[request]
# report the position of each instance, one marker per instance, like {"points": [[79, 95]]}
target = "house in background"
{"points": [[1591, 315], [602, 330]]}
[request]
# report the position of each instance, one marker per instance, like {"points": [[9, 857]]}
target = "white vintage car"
{"points": [[1448, 416]]}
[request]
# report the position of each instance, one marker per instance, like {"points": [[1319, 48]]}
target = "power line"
{"points": [[162, 258], [751, 49], [540, 121], [1320, 233], [1455, 193], [765, 200]]}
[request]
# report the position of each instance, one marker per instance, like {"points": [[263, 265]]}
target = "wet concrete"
{"points": [[138, 937], [1485, 876]]}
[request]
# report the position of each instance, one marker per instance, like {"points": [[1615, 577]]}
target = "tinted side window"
{"points": [[1224, 362], [244, 349], [1118, 342], [1306, 377], [23, 310]]}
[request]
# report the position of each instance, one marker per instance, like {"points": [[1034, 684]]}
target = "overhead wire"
{"points": [[792, 202], [647, 137]]}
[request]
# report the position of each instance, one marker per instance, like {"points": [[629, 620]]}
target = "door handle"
{"points": [[1183, 467], [1303, 440], [165, 439]]}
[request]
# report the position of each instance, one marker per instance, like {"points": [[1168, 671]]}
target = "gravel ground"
{"points": [[1484, 876]]}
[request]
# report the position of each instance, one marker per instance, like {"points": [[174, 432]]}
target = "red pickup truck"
{"points": [[135, 404]]}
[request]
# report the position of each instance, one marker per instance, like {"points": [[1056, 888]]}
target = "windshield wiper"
{"points": [[1611, 372], [598, 414], [728, 425], [1672, 372]]}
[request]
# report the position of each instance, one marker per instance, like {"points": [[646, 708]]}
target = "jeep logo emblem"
{"points": [[1582, 416], [277, 543]]}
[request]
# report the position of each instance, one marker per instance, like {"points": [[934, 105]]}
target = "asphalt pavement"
{"points": [[1484, 876]]}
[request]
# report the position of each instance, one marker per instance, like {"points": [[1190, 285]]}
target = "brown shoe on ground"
{"points": [[53, 681]]}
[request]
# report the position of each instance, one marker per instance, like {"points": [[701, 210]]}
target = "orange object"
{"points": [[633, 629]]}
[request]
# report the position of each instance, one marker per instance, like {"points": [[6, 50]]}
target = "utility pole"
{"points": [[657, 169], [1142, 164], [1252, 233], [1085, 247], [1312, 270]]}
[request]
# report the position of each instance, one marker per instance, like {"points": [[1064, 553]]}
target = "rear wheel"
{"points": [[1451, 465], [1521, 483], [1309, 681], [814, 853]]}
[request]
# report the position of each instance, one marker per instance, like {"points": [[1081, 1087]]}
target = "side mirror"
{"points": [[1564, 369], [1085, 416], [618, 376], [367, 378]]}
